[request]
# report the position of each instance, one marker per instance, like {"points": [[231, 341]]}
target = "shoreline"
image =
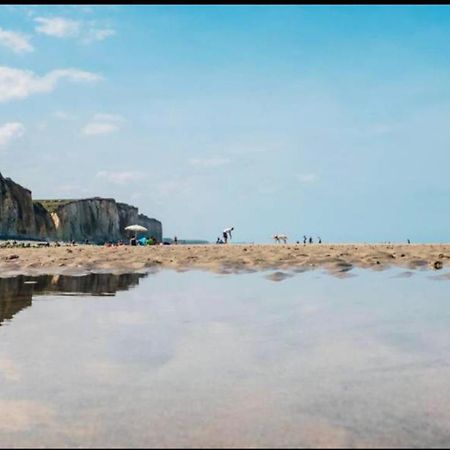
{"points": [[336, 259]]}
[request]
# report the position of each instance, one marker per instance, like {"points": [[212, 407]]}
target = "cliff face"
{"points": [[129, 215], [154, 226], [19, 217], [100, 220], [95, 219]]}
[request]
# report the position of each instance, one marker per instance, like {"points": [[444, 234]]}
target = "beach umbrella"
{"points": [[135, 228]]}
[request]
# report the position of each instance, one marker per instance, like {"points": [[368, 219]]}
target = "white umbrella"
{"points": [[135, 228]]}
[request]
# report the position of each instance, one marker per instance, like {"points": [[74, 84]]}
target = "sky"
{"points": [[330, 121]]}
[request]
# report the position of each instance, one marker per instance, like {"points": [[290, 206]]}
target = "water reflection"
{"points": [[17, 293], [199, 360]]}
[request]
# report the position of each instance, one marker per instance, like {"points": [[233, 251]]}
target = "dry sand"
{"points": [[337, 259]]}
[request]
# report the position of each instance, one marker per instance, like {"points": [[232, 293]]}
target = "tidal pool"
{"points": [[195, 359]]}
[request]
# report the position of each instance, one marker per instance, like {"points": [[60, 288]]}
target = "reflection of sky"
{"points": [[196, 359]]}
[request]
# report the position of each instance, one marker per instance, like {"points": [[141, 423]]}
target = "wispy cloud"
{"points": [[124, 177], [61, 27], [208, 162], [17, 42], [63, 115], [97, 34], [57, 26], [18, 84], [307, 177], [9, 132], [103, 124]]}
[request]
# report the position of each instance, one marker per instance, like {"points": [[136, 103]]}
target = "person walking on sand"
{"points": [[304, 239]]}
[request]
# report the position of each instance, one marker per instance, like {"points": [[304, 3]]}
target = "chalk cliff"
{"points": [[19, 216], [99, 220], [95, 219]]}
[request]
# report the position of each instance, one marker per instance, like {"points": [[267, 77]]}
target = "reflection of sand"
{"points": [[338, 259]]}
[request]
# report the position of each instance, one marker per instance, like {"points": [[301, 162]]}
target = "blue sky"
{"points": [[318, 120]]}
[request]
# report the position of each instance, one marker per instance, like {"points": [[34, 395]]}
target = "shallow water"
{"points": [[195, 359]]}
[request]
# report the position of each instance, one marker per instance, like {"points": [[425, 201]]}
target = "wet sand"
{"points": [[337, 259]]}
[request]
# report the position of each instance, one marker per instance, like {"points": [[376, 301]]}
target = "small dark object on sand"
{"points": [[438, 265]]}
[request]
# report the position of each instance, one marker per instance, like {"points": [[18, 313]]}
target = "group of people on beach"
{"points": [[310, 240], [143, 241]]}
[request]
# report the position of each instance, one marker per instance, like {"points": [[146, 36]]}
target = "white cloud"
{"points": [[63, 115], [171, 188], [17, 83], [307, 178], [95, 128], [9, 132], [61, 27], [102, 117], [17, 42], [57, 26], [208, 162], [103, 124], [120, 177], [98, 34]]}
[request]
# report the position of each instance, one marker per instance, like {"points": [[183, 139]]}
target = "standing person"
{"points": [[304, 239], [175, 240], [320, 240]]}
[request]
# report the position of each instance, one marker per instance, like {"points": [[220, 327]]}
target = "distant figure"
{"points": [[297, 242], [132, 241], [175, 240], [320, 240], [280, 237], [226, 233], [310, 240], [304, 239], [409, 242]]}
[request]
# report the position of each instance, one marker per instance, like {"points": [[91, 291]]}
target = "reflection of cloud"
{"points": [[21, 415], [9, 370]]}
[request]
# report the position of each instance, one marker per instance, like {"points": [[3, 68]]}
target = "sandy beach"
{"points": [[337, 259]]}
